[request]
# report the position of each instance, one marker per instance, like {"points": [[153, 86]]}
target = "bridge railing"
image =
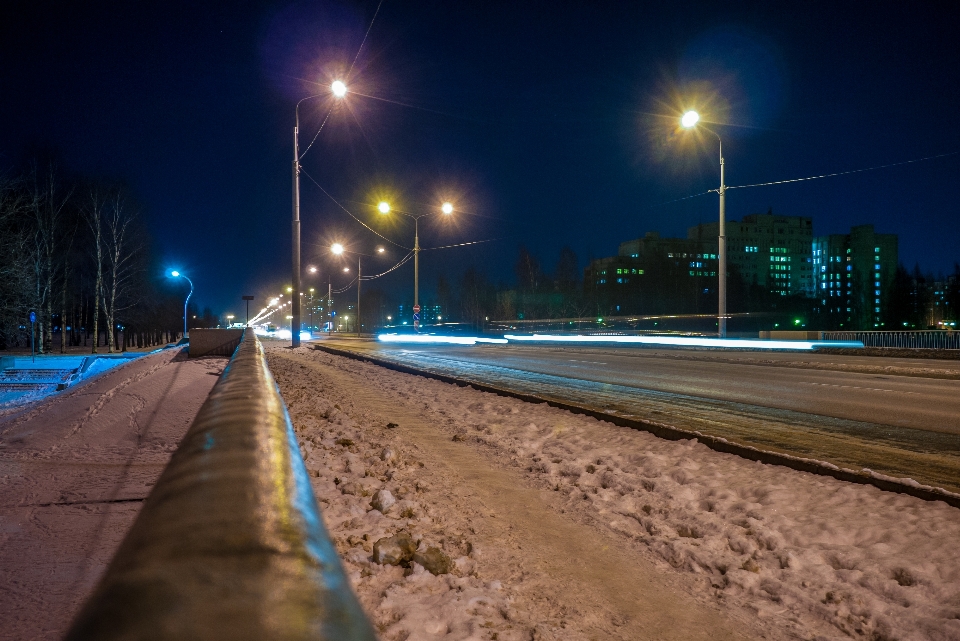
{"points": [[923, 339], [229, 543]]}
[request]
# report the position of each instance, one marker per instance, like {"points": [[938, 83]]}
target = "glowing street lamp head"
{"points": [[338, 88], [690, 119], [336, 248], [384, 207], [312, 270], [175, 274], [346, 269], [447, 208], [289, 289], [380, 250]]}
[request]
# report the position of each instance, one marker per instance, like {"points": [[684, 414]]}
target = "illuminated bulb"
{"points": [[339, 89], [384, 208], [336, 248], [689, 119], [380, 250], [175, 274], [447, 208]]}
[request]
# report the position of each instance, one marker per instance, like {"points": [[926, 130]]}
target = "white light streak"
{"points": [[426, 339], [687, 341]]}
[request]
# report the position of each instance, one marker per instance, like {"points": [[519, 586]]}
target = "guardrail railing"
{"points": [[921, 339], [229, 543]]}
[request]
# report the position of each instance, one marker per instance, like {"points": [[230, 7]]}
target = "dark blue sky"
{"points": [[552, 123]]}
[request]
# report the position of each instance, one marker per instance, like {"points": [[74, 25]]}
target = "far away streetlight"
{"points": [[177, 274]]}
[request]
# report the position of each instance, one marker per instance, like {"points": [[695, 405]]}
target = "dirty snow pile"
{"points": [[817, 557]]}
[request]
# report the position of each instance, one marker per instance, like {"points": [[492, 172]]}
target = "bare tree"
{"points": [[49, 199], [121, 250], [93, 214]]}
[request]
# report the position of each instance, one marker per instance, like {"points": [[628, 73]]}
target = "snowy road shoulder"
{"points": [[806, 556]]}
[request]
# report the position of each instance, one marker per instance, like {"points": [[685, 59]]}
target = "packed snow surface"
{"points": [[786, 554]]}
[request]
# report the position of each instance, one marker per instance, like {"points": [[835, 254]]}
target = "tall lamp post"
{"points": [[339, 250], [446, 209], [177, 274], [339, 90], [688, 121]]}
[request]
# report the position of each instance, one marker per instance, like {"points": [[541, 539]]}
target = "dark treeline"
{"points": [[917, 300], [73, 249]]}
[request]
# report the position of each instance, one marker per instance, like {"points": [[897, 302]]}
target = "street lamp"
{"points": [[688, 121], [339, 250], [446, 209], [339, 90], [177, 274]]}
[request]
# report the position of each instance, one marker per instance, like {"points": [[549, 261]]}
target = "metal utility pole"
{"points": [[247, 299], [295, 235], [416, 261], [722, 283], [329, 307], [358, 295]]}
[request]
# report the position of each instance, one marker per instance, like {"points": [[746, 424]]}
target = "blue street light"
{"points": [[177, 274]]}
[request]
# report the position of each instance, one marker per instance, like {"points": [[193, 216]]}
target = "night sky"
{"points": [[546, 123]]}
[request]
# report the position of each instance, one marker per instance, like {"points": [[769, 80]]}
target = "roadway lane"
{"points": [[888, 416]]}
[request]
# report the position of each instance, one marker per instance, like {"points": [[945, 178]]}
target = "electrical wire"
{"points": [[844, 173], [315, 136], [402, 262], [474, 242], [364, 41], [349, 213]]}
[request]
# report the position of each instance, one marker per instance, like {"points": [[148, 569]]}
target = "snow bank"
{"points": [[816, 557]]}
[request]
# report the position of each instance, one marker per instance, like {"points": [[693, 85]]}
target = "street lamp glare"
{"points": [[447, 208], [690, 119], [380, 250], [384, 208], [312, 270], [346, 269], [338, 88], [175, 274], [336, 248]]}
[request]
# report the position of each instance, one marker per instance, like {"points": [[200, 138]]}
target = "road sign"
{"points": [[33, 317], [416, 318], [416, 310]]}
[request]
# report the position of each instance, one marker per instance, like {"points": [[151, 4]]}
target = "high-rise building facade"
{"points": [[771, 251], [854, 273]]}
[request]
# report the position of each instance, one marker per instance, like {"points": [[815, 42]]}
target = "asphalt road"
{"points": [[896, 416]]}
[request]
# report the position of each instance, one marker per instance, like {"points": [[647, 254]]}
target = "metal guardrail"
{"points": [[924, 339], [229, 543]]}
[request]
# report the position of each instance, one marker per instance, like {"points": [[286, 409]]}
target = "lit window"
{"points": [[876, 292]]}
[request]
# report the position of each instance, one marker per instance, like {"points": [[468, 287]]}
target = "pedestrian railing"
{"points": [[229, 543], [932, 339]]}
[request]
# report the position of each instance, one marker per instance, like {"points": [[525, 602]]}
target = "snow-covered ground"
{"points": [[764, 550], [74, 468], [86, 368]]}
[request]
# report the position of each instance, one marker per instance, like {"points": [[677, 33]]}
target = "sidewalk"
{"points": [[74, 469]]}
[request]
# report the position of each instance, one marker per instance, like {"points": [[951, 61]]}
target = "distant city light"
{"points": [[312, 270], [689, 119], [338, 88]]}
